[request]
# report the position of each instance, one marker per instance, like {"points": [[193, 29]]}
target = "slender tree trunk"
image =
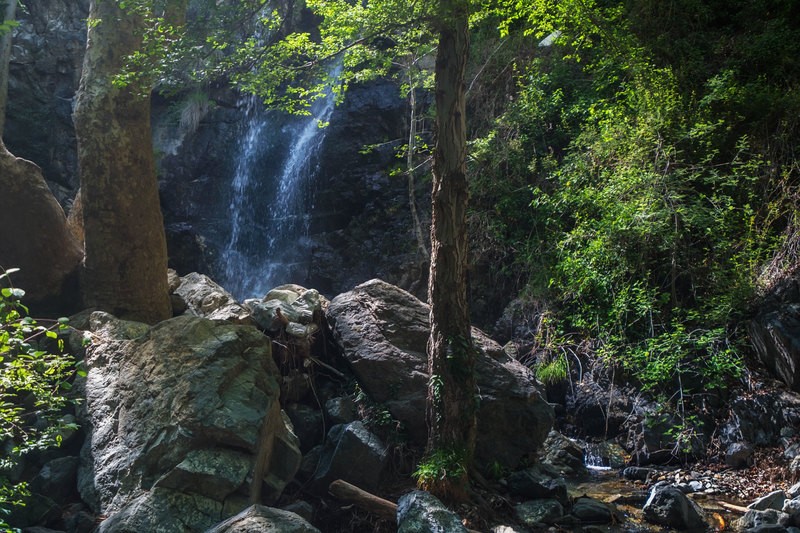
{"points": [[452, 401], [411, 152], [9, 14], [125, 268]]}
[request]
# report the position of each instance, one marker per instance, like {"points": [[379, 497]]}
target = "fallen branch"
{"points": [[732, 507], [369, 502]]}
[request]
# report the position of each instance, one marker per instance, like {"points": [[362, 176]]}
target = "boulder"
{"points": [[773, 500], [738, 455], [352, 453], [185, 411], [591, 511], [341, 410], [308, 424], [203, 297], [34, 233], [775, 334], [58, 479], [261, 519], [419, 511], [534, 513], [534, 483], [563, 454], [669, 506], [383, 332], [755, 518]]}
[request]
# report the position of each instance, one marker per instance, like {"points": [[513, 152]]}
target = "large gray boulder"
{"points": [[383, 332], [185, 410]]}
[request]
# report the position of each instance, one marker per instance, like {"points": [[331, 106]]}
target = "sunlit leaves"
{"points": [[35, 377]]}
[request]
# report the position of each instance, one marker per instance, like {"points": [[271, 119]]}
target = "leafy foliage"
{"points": [[34, 383], [641, 185]]}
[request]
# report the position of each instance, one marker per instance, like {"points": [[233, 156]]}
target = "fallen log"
{"points": [[732, 507], [369, 502], [376, 505]]}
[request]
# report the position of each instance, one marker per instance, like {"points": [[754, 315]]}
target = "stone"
{"points": [[774, 335], [164, 511], [793, 491], [58, 479], [564, 454], [533, 483], [383, 333], [261, 519], [297, 305], [37, 509], [637, 473], [669, 507], [738, 455], [34, 233], [754, 518], [204, 298], [534, 513], [213, 473], [347, 446], [301, 508], [591, 511], [792, 508], [773, 500], [308, 424], [419, 511], [341, 410], [184, 409]]}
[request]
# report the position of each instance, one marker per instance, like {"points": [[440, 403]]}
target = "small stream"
{"points": [[604, 482]]}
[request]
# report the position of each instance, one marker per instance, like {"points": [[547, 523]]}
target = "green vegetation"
{"points": [[439, 466], [34, 383], [642, 178], [634, 174]]}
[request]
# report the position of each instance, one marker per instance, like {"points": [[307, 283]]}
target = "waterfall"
{"points": [[272, 198]]}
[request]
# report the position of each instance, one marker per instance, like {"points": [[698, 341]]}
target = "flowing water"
{"points": [[272, 198]]}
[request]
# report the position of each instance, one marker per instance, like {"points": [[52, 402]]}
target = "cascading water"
{"points": [[272, 198]]}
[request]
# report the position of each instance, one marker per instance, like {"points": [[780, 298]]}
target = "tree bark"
{"points": [[125, 267], [9, 14], [451, 357]]}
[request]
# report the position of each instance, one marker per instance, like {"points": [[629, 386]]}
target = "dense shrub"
{"points": [[34, 382]]}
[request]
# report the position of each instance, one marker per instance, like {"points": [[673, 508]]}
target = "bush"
{"points": [[34, 382]]}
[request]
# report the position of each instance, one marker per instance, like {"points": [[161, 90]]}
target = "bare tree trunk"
{"points": [[125, 268], [411, 152], [452, 401], [9, 14]]}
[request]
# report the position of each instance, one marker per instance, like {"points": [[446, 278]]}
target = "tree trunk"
{"points": [[451, 356], [9, 14], [125, 268]]}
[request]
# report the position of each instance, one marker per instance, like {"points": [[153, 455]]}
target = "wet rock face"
{"points": [[45, 69], [359, 222]]}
